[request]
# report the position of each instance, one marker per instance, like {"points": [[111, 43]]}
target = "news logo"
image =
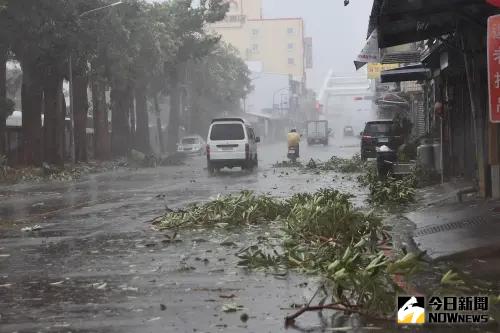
{"points": [[458, 310], [411, 310]]}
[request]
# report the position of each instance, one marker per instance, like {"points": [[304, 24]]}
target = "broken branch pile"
{"points": [[322, 234], [52, 173], [231, 210], [344, 165], [389, 191], [337, 164]]}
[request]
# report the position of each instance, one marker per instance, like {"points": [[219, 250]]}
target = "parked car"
{"points": [[231, 143], [193, 144], [378, 133], [348, 131]]}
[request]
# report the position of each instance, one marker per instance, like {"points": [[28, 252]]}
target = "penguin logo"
{"points": [[411, 310]]}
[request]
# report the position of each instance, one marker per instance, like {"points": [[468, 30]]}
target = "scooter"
{"points": [[293, 153]]}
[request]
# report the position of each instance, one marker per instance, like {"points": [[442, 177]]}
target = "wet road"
{"points": [[96, 265]]}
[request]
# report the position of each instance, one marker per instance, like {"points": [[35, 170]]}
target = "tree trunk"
{"points": [[53, 125], [31, 116], [158, 125], [102, 141], [3, 97], [80, 98], [195, 121], [132, 120], [142, 130], [120, 136], [65, 132], [174, 118]]}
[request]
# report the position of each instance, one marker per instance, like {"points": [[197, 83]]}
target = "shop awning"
{"points": [[404, 21], [401, 57], [407, 73], [370, 52]]}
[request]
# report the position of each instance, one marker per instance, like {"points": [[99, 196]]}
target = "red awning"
{"points": [[495, 3]]}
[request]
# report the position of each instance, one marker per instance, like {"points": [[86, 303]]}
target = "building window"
{"points": [[291, 61], [290, 31], [290, 46]]}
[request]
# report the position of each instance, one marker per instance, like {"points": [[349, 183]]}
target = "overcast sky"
{"points": [[338, 32]]}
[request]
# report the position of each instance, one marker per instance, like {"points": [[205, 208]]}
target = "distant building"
{"points": [[276, 43], [275, 51]]}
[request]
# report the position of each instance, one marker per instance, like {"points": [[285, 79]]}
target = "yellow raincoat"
{"points": [[293, 139]]}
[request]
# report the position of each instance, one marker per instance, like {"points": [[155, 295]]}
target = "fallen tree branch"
{"points": [[289, 320]]}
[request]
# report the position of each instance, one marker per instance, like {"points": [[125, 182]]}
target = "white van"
{"points": [[231, 143]]}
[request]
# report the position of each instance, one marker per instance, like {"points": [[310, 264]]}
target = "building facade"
{"points": [[275, 44], [454, 74]]}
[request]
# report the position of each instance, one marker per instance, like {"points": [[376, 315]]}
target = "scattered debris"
{"points": [[56, 283], [69, 172], [288, 164], [127, 288], [99, 286], [33, 228], [199, 240], [231, 307], [244, 317], [311, 164]]}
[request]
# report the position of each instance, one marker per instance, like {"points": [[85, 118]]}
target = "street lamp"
{"points": [[70, 61]]}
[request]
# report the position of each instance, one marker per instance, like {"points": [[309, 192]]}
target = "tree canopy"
{"points": [[136, 49]]}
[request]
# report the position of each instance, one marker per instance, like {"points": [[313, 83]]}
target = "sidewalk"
{"points": [[448, 228]]}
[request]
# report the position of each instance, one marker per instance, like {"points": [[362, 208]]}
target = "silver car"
{"points": [[193, 144]]}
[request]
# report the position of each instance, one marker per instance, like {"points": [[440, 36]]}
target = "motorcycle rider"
{"points": [[294, 140]]}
